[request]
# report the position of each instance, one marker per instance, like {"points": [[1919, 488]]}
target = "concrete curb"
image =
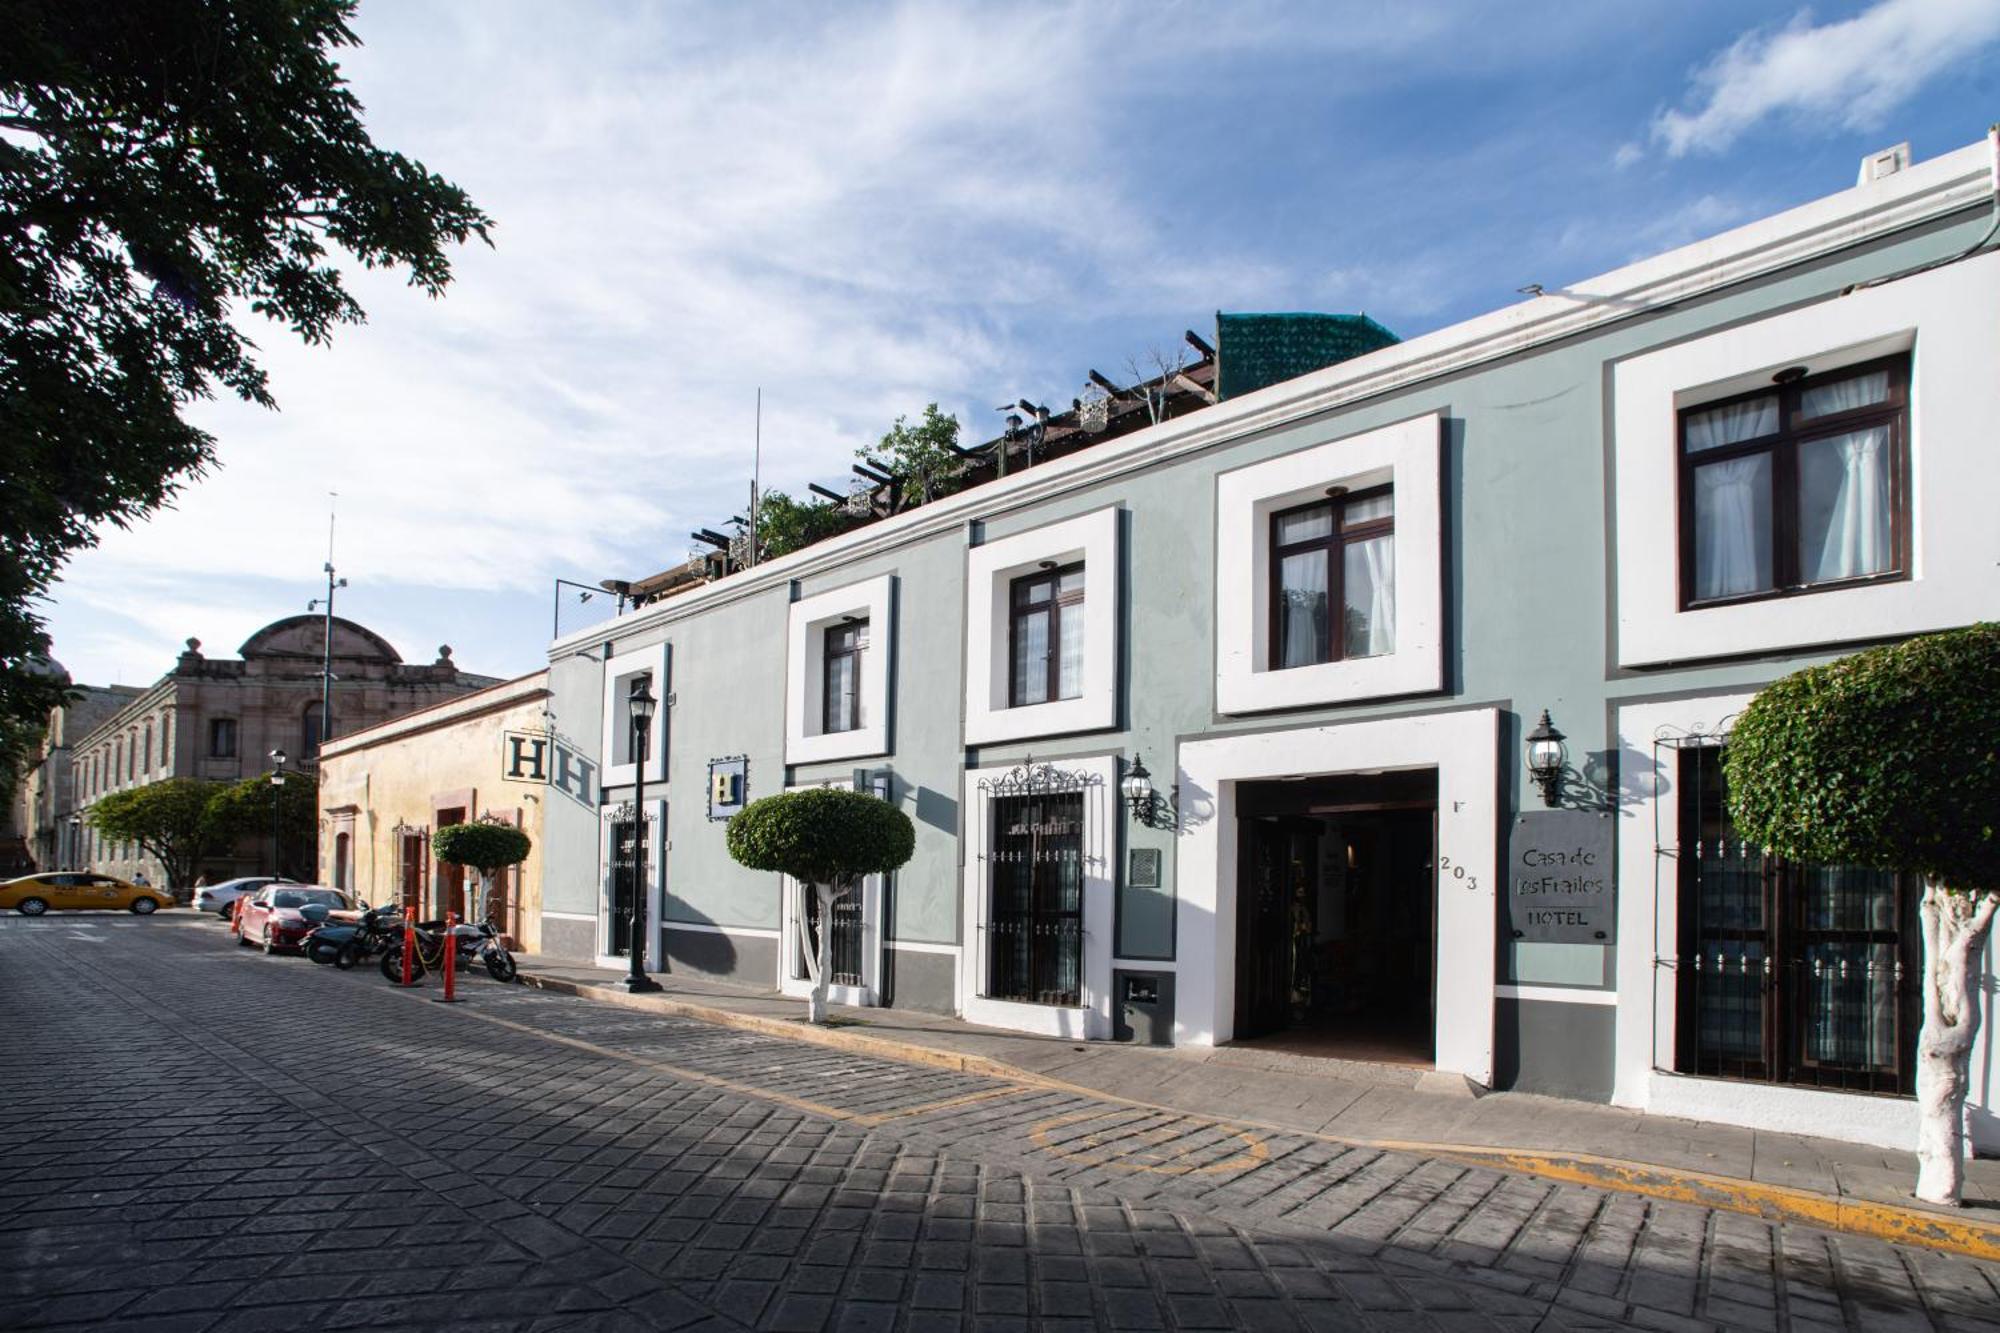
{"points": [[1905, 1225]]}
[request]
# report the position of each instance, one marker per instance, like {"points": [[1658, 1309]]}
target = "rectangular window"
{"points": [[844, 949], [1799, 486], [1036, 926], [845, 644], [1334, 553], [1045, 636], [222, 738], [1789, 973]]}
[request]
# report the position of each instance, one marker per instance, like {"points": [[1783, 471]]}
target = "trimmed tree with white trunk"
{"points": [[1890, 759], [828, 840]]}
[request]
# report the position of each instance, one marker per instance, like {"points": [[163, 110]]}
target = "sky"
{"points": [[860, 209]]}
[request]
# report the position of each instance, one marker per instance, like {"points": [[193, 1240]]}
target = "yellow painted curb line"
{"points": [[1774, 1203], [1906, 1225]]}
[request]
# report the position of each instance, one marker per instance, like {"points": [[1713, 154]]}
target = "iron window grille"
{"points": [[1035, 882], [1784, 973]]}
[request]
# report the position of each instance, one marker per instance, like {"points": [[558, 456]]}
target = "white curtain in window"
{"points": [[1844, 395], [1732, 527], [1371, 597], [1732, 424], [1844, 505], [1069, 653], [1303, 578]]}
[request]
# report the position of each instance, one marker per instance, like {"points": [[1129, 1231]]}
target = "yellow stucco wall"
{"points": [[404, 772]]}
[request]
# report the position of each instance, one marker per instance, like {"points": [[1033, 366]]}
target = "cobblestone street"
{"points": [[206, 1138]]}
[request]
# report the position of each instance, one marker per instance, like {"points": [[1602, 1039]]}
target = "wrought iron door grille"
{"points": [[1788, 973], [844, 961], [624, 845], [1035, 925]]}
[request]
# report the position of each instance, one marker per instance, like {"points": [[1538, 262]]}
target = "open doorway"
{"points": [[1336, 930]]}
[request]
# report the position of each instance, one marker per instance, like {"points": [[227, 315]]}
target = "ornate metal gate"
{"points": [[1035, 855]]}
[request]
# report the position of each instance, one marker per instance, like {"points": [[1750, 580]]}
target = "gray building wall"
{"points": [[1529, 609]]}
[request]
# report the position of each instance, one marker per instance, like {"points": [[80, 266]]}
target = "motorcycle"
{"points": [[343, 944], [468, 944]]}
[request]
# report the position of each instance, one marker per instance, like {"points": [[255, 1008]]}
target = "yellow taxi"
{"points": [[32, 895]]}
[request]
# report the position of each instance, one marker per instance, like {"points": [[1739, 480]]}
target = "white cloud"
{"points": [[1850, 74]]}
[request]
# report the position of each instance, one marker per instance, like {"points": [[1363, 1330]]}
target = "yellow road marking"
{"points": [[1146, 1150]]}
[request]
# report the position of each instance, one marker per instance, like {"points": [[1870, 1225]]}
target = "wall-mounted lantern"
{"points": [[1138, 789], [1546, 754]]}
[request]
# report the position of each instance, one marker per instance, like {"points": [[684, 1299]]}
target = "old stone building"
{"points": [[220, 718], [45, 797]]}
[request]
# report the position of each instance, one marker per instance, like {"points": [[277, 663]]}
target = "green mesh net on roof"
{"points": [[1256, 350]]}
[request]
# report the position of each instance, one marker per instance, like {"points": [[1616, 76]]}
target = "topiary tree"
{"points": [[488, 846], [830, 840], [1891, 759]]}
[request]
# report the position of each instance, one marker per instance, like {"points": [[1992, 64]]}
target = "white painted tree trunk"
{"points": [[1955, 929], [818, 954]]}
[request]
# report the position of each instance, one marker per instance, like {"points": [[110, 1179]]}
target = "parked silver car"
{"points": [[221, 898]]}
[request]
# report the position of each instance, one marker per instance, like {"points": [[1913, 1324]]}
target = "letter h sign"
{"points": [[525, 757]]}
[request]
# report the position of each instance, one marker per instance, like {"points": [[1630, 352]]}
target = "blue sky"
{"points": [[866, 208]]}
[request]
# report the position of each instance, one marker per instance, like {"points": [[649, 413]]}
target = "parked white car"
{"points": [[221, 898]]}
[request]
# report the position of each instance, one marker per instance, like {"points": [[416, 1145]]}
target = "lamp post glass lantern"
{"points": [[278, 759], [1546, 754], [641, 705]]}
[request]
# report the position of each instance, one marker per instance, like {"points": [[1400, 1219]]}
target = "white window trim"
{"points": [[1102, 809], [1406, 455], [1464, 748], [868, 993], [655, 886], [1952, 319], [1648, 924], [805, 672], [651, 658], [990, 570]]}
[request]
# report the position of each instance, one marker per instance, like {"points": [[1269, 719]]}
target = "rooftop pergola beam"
{"points": [[822, 491], [1196, 341]]}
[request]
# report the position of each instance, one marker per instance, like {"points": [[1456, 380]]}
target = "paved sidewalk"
{"points": [[1356, 1102]]}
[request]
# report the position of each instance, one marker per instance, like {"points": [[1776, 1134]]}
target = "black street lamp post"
{"points": [[641, 703], [277, 790]]}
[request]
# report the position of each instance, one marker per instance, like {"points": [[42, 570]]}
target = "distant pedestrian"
{"points": [[140, 879]]}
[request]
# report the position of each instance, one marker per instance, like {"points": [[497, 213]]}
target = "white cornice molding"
{"points": [[1920, 194]]}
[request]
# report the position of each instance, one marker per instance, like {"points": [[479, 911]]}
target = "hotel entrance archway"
{"points": [[1336, 925]]}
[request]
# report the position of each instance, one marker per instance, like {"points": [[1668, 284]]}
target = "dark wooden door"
{"points": [[1272, 857]]}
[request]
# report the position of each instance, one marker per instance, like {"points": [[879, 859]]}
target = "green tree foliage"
{"points": [[485, 846], [178, 820], [243, 810], [166, 168], [785, 525], [1889, 758], [826, 839], [822, 835], [922, 455]]}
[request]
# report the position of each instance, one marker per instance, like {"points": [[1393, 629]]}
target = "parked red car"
{"points": [[271, 916]]}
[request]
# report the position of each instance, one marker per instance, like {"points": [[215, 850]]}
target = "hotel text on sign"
{"points": [[1559, 872]]}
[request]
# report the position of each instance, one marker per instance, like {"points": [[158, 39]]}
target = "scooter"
{"points": [[342, 943]]}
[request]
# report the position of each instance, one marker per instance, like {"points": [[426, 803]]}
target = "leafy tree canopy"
{"points": [[785, 525], [178, 820], [486, 847], [163, 166], [243, 809], [1889, 758], [922, 455], [822, 835]]}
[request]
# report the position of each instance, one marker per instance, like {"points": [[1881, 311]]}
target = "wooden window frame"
{"points": [[1060, 606], [1783, 447], [856, 630], [1335, 544]]}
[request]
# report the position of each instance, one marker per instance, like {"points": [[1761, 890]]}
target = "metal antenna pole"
{"points": [[756, 471], [326, 648]]}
